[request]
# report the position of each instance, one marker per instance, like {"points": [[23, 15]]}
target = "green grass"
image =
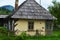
{"points": [[55, 36], [56, 33], [44, 38]]}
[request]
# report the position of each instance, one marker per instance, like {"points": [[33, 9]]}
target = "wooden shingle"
{"points": [[30, 9]]}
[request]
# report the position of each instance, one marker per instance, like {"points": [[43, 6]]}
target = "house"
{"points": [[29, 17]]}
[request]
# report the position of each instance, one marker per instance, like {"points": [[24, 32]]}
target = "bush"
{"points": [[22, 36], [3, 29]]}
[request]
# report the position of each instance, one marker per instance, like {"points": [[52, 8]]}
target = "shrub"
{"points": [[3, 31], [22, 36]]}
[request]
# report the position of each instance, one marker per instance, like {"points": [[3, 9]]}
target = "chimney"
{"points": [[16, 4]]}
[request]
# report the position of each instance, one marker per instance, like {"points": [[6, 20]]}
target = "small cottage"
{"points": [[29, 17]]}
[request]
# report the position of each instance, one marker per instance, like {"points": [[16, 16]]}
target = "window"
{"points": [[30, 25], [48, 25]]}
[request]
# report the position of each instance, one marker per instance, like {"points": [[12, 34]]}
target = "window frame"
{"points": [[49, 25], [30, 25]]}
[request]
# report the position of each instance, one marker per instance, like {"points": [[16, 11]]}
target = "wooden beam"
{"points": [[9, 24], [12, 25]]}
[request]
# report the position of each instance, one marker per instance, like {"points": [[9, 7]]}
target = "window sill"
{"points": [[30, 30]]}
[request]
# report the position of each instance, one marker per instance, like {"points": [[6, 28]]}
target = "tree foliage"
{"points": [[5, 11], [55, 10]]}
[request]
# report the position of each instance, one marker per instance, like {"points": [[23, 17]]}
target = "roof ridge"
{"points": [[31, 6], [40, 5], [15, 10]]}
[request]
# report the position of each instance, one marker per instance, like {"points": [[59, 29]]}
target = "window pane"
{"points": [[30, 25], [48, 25]]}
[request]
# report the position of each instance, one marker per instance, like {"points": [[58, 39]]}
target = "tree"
{"points": [[5, 11], [55, 10]]}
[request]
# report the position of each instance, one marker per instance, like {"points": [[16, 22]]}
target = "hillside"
{"points": [[7, 9]]}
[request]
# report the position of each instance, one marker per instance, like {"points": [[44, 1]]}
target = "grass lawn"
{"points": [[55, 36], [56, 33], [44, 38]]}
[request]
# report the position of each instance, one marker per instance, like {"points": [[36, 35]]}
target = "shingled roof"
{"points": [[30, 9], [3, 16]]}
